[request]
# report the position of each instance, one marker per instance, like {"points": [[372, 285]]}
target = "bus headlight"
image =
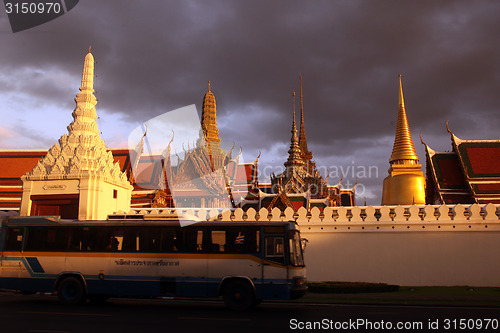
{"points": [[299, 281]]}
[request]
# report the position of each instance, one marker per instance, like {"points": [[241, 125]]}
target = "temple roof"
{"points": [[470, 173], [446, 174], [480, 163]]}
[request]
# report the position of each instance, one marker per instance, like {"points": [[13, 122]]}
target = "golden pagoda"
{"points": [[405, 184], [209, 117], [209, 133]]}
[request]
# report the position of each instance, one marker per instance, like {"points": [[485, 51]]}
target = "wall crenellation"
{"points": [[411, 218]]}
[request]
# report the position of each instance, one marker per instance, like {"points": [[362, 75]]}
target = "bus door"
{"points": [[11, 259], [274, 269]]}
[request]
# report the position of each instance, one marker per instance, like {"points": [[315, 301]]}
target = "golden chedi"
{"points": [[405, 184]]}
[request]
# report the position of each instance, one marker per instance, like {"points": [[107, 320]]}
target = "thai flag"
{"points": [[240, 239]]}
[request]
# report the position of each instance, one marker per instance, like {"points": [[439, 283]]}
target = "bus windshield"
{"points": [[296, 258]]}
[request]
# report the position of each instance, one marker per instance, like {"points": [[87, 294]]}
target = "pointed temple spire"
{"points": [[306, 154], [294, 151], [405, 184], [85, 114], [403, 150], [209, 117]]}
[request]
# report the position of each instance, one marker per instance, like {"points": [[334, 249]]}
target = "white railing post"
{"points": [[429, 213], [289, 212], [251, 213], [444, 211], [328, 213], [475, 212], [370, 214], [238, 214], [385, 214], [490, 212], [342, 211], [356, 214], [263, 214], [302, 215], [458, 212], [276, 214], [414, 211], [399, 214], [315, 212]]}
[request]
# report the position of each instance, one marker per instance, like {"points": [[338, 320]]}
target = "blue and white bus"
{"points": [[131, 256]]}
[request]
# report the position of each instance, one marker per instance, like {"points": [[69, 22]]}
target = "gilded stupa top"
{"points": [[403, 151]]}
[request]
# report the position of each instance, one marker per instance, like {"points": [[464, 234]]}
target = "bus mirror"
{"points": [[303, 243]]}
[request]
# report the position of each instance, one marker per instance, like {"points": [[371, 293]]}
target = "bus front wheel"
{"points": [[238, 295], [71, 291]]}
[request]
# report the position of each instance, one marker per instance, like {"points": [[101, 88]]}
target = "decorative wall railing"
{"points": [[344, 218]]}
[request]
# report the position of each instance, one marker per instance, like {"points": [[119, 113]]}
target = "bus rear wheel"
{"points": [[71, 291], [238, 295]]}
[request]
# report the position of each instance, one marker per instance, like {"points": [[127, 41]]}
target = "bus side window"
{"points": [[130, 241], [14, 239], [116, 241], [193, 240], [74, 239], [275, 246], [243, 240], [86, 243], [96, 239], [218, 241], [46, 239], [171, 239], [149, 239]]}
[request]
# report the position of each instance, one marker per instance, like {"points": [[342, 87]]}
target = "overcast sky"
{"points": [[157, 56]]}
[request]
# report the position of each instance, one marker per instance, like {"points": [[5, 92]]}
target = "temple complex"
{"points": [[205, 176], [405, 184], [470, 173], [80, 178]]}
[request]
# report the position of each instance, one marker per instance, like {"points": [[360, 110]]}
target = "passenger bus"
{"points": [[132, 256]]}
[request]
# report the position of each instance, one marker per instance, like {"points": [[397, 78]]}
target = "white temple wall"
{"points": [[404, 245], [97, 199], [420, 258]]}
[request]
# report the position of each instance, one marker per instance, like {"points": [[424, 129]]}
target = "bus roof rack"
{"points": [[35, 219], [158, 217]]}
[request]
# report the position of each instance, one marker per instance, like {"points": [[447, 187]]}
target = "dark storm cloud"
{"points": [[157, 56]]}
